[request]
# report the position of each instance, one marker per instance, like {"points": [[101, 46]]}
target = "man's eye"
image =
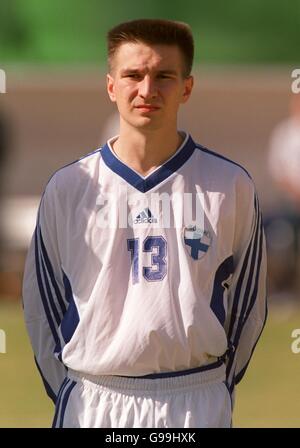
{"points": [[133, 76], [164, 76]]}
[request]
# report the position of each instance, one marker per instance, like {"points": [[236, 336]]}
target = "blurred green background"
{"points": [[72, 31]]}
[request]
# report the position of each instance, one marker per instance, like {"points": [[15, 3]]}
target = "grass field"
{"points": [[269, 395]]}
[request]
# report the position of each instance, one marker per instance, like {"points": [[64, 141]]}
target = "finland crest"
{"points": [[197, 241]]}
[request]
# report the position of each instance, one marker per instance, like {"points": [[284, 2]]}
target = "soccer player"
{"points": [[144, 288]]}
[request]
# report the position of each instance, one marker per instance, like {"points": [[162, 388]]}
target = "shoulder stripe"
{"points": [[71, 163], [215, 154]]}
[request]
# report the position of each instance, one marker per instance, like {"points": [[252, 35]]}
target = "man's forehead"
{"points": [[139, 56]]}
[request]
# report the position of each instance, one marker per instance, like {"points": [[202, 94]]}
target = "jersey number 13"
{"points": [[157, 246]]}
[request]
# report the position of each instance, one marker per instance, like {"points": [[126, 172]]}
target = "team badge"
{"points": [[197, 241]]}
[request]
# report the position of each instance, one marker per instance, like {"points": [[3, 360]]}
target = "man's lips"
{"points": [[147, 107]]}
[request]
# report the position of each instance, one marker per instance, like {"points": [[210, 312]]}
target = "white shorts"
{"points": [[196, 400]]}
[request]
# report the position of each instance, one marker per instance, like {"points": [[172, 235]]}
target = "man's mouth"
{"points": [[147, 107]]}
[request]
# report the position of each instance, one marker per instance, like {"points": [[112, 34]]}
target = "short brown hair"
{"points": [[153, 32]]}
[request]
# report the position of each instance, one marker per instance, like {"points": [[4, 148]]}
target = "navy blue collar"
{"points": [[145, 184]]}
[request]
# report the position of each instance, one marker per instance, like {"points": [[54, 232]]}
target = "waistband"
{"points": [[208, 374]]}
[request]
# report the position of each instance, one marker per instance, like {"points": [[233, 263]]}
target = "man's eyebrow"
{"points": [[130, 70], [167, 72], [138, 70]]}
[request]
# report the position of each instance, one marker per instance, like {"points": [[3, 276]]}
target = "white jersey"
{"points": [[130, 275]]}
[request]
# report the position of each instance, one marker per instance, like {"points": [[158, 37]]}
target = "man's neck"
{"points": [[144, 152]]}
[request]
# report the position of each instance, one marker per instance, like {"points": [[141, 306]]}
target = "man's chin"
{"points": [[147, 123]]}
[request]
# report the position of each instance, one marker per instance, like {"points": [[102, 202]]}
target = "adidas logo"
{"points": [[145, 217]]}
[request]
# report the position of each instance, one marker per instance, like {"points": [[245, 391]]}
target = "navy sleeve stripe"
{"points": [[53, 311], [71, 318], [248, 300], [217, 300], [51, 274], [254, 264], [241, 282], [240, 375], [250, 307], [254, 293], [42, 292], [49, 294], [242, 313]]}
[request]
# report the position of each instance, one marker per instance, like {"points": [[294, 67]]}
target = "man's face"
{"points": [[148, 85]]}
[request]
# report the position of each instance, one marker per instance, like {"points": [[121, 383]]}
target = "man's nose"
{"points": [[147, 87]]}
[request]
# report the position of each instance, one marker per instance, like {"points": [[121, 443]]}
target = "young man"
{"points": [[144, 289]]}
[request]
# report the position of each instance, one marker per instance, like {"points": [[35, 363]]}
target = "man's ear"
{"points": [[188, 87], [110, 85]]}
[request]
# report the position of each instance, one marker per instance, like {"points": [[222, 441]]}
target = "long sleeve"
{"points": [[247, 295], [44, 299]]}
